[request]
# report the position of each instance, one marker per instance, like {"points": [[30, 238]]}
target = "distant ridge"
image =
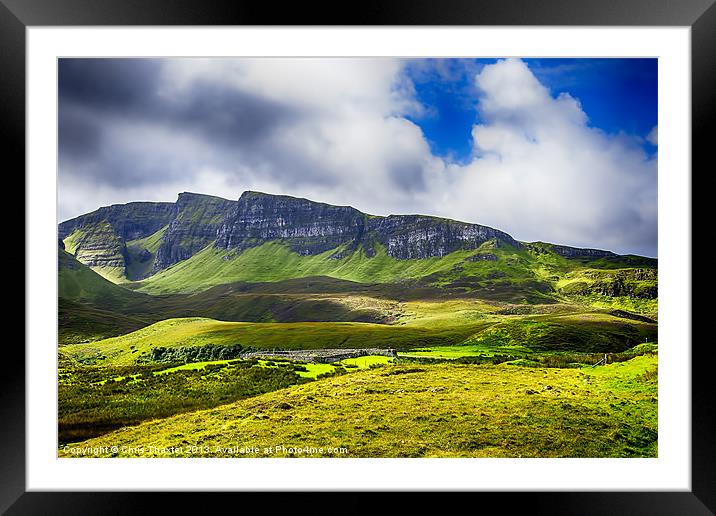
{"points": [[130, 242]]}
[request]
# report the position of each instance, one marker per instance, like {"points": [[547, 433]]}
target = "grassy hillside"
{"points": [[229, 305], [198, 332], [500, 273], [78, 323], [274, 261], [141, 254], [79, 283], [589, 333], [632, 289], [93, 308], [443, 410]]}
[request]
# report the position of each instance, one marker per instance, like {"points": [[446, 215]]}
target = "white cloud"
{"points": [[542, 173], [653, 136], [341, 136]]}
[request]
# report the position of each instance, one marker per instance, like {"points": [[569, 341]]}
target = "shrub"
{"points": [[193, 353]]}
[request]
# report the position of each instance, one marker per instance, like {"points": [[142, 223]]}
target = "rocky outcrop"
{"points": [[100, 238], [129, 221], [577, 252], [638, 283], [195, 219], [307, 227], [97, 245], [482, 257], [311, 228], [418, 237]]}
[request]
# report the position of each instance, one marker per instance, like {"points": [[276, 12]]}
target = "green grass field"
{"points": [[274, 261], [96, 400], [453, 352], [584, 332], [198, 332], [441, 410]]}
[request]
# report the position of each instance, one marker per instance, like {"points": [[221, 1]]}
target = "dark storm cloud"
{"points": [[131, 88], [121, 170], [99, 95], [93, 95], [107, 84], [226, 115], [125, 123], [79, 135]]}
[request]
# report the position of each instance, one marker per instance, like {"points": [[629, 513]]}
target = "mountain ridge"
{"points": [[106, 239]]}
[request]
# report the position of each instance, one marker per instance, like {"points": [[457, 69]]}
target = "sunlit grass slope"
{"points": [[444, 410], [504, 273], [591, 333], [198, 332], [274, 261]]}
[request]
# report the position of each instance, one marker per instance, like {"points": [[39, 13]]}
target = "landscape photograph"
{"points": [[357, 258]]}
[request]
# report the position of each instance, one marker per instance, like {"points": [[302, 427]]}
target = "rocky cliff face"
{"points": [[162, 234], [195, 219], [307, 227], [578, 252], [98, 246], [638, 283], [129, 221], [312, 228], [99, 239], [417, 236]]}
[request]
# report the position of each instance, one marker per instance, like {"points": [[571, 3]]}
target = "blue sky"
{"points": [[618, 95], [556, 150]]}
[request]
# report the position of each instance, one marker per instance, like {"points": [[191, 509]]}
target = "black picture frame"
{"points": [[700, 15]]}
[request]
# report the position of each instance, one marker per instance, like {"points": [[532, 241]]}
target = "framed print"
{"points": [[416, 250]]}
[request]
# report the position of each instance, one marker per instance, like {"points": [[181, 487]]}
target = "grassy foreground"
{"points": [[418, 410], [95, 400]]}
